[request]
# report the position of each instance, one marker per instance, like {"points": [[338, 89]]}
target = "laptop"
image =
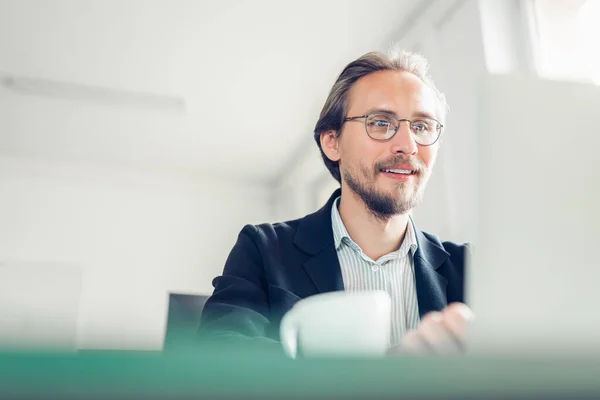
{"points": [[183, 319], [534, 279]]}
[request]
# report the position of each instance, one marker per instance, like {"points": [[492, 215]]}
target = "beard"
{"points": [[383, 205]]}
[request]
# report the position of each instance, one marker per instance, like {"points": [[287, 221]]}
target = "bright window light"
{"points": [[568, 39], [589, 34]]}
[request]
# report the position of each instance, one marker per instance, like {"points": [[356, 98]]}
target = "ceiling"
{"points": [[228, 88]]}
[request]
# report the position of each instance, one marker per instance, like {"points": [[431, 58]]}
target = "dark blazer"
{"points": [[272, 266]]}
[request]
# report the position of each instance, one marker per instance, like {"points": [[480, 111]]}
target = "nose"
{"points": [[403, 141]]}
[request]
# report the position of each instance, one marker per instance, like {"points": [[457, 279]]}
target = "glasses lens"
{"points": [[381, 126], [426, 130]]}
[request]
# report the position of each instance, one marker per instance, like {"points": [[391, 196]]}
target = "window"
{"points": [[568, 32]]}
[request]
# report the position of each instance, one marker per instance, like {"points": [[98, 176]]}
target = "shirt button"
{"points": [[375, 267]]}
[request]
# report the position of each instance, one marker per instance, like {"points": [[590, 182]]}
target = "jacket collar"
{"points": [[315, 237], [315, 232]]}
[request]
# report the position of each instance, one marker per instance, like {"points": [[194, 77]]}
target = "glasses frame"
{"points": [[366, 117]]}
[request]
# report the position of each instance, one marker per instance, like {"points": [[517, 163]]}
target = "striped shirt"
{"points": [[393, 273]]}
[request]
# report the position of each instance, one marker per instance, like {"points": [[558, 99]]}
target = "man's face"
{"points": [[365, 162]]}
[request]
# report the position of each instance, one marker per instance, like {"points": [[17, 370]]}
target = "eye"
{"points": [[379, 122], [421, 126]]}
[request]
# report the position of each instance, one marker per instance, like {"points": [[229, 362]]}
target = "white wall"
{"points": [[295, 193], [134, 235]]}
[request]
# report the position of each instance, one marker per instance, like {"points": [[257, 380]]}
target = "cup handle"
{"points": [[288, 334]]}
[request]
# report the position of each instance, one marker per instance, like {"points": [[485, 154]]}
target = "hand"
{"points": [[441, 333]]}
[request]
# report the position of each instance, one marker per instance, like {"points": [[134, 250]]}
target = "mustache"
{"points": [[414, 164]]}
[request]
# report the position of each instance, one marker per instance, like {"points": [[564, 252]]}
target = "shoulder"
{"points": [[272, 231], [455, 250]]}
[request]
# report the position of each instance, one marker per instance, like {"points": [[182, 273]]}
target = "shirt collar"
{"points": [[340, 234]]}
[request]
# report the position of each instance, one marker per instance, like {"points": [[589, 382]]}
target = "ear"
{"points": [[330, 145]]}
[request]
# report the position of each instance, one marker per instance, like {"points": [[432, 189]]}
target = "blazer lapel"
{"points": [[324, 270], [430, 284], [315, 237]]}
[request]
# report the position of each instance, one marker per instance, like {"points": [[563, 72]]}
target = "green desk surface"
{"points": [[216, 375]]}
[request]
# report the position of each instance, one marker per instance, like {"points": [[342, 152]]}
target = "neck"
{"points": [[376, 237]]}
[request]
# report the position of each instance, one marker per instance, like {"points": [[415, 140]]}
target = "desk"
{"points": [[189, 374]]}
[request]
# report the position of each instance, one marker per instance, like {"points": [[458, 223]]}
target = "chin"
{"points": [[406, 197], [403, 190]]}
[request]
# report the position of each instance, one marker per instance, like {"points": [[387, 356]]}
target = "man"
{"points": [[378, 134]]}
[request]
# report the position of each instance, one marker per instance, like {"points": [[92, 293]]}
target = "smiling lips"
{"points": [[399, 172], [403, 169]]}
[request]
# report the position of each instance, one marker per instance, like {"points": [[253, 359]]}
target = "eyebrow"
{"points": [[418, 114]]}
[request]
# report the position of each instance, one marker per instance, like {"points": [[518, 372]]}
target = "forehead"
{"points": [[399, 91]]}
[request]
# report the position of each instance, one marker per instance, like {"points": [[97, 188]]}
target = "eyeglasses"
{"points": [[382, 127]]}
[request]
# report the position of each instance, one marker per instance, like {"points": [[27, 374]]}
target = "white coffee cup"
{"points": [[338, 324]]}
